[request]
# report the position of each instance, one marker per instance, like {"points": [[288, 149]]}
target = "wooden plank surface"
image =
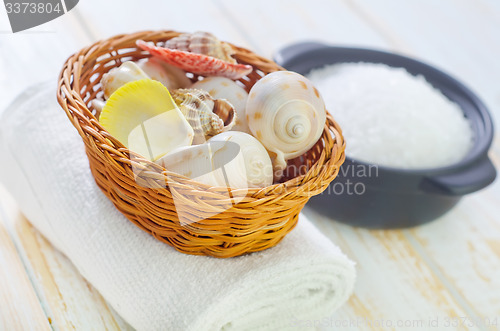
{"points": [[447, 269], [74, 304], [394, 283], [444, 40], [68, 301], [20, 308], [460, 248]]}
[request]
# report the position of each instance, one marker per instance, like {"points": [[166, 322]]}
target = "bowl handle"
{"points": [[293, 50], [464, 181]]}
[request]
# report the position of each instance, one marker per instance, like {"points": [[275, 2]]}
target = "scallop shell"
{"points": [[204, 43], [199, 64], [117, 77], [206, 115], [225, 88], [170, 76], [230, 159], [144, 118], [286, 113]]}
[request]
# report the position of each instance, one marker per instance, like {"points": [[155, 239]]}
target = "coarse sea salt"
{"points": [[392, 118]]}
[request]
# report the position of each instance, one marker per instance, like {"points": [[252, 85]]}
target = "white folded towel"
{"points": [[152, 286]]}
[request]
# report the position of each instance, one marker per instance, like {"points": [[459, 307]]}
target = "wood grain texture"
{"points": [[394, 283], [20, 308], [321, 20], [70, 303], [74, 304], [188, 16], [454, 36], [461, 247]]}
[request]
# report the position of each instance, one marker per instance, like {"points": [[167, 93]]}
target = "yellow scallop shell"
{"points": [[144, 118]]}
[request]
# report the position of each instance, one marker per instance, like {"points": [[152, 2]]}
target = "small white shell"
{"points": [[286, 113], [117, 77], [171, 77], [194, 162], [230, 159], [225, 88], [98, 105], [254, 169]]}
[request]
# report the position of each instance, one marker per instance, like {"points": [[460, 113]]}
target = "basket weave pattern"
{"points": [[219, 228]]}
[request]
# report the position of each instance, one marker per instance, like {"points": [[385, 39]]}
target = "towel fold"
{"points": [[152, 286]]}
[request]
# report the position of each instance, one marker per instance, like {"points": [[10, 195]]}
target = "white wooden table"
{"points": [[443, 272]]}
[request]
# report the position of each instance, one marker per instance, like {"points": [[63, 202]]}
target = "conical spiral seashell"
{"points": [[207, 116], [286, 113], [225, 88], [204, 43]]}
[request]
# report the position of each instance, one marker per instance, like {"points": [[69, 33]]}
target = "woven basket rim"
{"points": [[331, 126]]}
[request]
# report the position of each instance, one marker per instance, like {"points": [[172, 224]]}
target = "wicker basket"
{"points": [[220, 228]]}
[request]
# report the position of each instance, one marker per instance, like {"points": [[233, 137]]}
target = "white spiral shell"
{"points": [[225, 88], [286, 113]]}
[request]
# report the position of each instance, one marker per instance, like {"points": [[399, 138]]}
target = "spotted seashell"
{"points": [[225, 88], [207, 116], [202, 43], [286, 113]]}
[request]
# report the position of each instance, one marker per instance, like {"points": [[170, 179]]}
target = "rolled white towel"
{"points": [[151, 285]]}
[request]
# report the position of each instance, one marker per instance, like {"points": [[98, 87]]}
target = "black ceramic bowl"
{"points": [[382, 197]]}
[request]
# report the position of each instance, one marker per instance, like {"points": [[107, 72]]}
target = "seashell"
{"points": [[98, 105], [206, 115], [144, 118], [254, 169], [194, 162], [230, 159], [202, 43], [199, 64], [170, 76], [225, 88], [127, 72], [286, 113]]}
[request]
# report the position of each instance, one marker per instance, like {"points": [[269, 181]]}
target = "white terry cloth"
{"points": [[152, 286]]}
